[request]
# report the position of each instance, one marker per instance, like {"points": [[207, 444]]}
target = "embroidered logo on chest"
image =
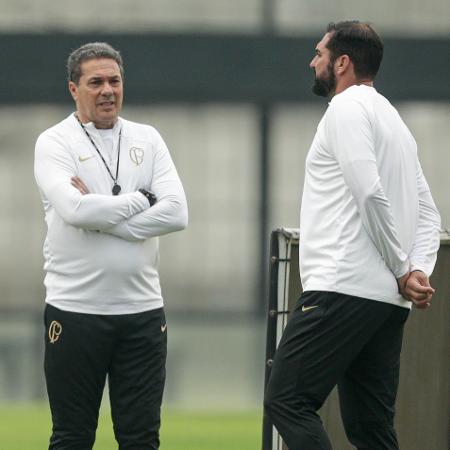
{"points": [[137, 155], [85, 158]]}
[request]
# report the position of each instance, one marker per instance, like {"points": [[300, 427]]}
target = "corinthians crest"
{"points": [[137, 155], [54, 331]]}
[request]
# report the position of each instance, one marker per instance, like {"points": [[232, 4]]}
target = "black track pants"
{"points": [[339, 339], [81, 350]]}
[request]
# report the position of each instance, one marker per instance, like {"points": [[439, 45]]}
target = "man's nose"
{"points": [[107, 89]]}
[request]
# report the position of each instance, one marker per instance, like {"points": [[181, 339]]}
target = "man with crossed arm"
{"points": [[109, 189]]}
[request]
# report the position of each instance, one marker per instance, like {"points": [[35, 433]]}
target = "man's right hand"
{"points": [[417, 289], [77, 182]]}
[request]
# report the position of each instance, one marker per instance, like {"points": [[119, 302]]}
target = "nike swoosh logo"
{"points": [[307, 308], [85, 158], [163, 327]]}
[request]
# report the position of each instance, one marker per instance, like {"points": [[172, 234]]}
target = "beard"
{"points": [[325, 86]]}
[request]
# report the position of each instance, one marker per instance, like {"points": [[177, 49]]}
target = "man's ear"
{"points": [[342, 64], [73, 88]]}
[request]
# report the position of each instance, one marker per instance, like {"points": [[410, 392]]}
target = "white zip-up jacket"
{"points": [[101, 251], [367, 215]]}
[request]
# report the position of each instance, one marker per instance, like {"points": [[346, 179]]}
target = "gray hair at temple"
{"points": [[92, 50]]}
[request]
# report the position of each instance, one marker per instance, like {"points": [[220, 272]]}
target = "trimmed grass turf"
{"points": [[27, 428]]}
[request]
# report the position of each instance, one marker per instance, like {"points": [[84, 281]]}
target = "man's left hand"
{"points": [[415, 287]]}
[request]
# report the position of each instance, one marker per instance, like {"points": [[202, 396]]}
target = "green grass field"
{"points": [[27, 428]]}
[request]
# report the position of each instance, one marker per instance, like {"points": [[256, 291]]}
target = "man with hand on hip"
{"points": [[109, 190]]}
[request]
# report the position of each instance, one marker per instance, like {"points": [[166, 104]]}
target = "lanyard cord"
{"points": [[116, 188]]}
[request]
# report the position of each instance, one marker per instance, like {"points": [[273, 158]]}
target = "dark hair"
{"points": [[88, 51], [360, 42]]}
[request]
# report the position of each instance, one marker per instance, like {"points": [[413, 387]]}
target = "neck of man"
{"points": [[344, 84], [105, 125], [101, 125]]}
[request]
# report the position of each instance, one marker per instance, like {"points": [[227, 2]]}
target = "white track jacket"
{"points": [[101, 251], [367, 215]]}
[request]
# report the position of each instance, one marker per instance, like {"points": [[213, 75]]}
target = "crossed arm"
{"points": [[53, 170], [169, 214], [127, 216]]}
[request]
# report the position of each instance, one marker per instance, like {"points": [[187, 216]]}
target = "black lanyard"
{"points": [[116, 188]]}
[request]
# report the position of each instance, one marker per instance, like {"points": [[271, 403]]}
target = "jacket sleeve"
{"points": [[426, 244], [170, 213], [54, 167], [350, 134]]}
